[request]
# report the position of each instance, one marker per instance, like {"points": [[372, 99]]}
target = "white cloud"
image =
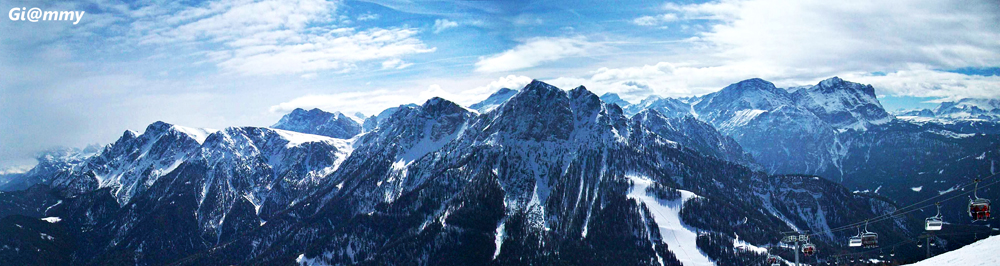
{"points": [[367, 17], [367, 102], [643, 72], [533, 53], [376, 100], [853, 35], [395, 63], [802, 42], [276, 37], [434, 90], [510, 82], [931, 83], [443, 24], [655, 20]]}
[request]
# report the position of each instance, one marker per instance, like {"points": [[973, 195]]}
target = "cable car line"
{"points": [[899, 211]]}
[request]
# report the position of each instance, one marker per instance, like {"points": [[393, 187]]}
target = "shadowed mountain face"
{"points": [[547, 177]]}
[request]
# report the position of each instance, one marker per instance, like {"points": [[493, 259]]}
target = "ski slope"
{"points": [[680, 239], [984, 252]]}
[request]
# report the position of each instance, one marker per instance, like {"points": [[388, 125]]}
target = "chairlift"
{"points": [[979, 208], [934, 223], [869, 240], [773, 260], [855, 241]]}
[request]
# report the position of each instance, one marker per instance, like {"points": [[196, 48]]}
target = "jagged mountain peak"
{"points": [[541, 88], [128, 135], [438, 106], [160, 128], [843, 104], [836, 83], [583, 92], [538, 93]]}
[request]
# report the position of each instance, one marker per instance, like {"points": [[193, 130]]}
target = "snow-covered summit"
{"points": [[319, 122], [843, 104]]}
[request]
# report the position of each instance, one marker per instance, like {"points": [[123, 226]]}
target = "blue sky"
{"points": [[239, 62]]}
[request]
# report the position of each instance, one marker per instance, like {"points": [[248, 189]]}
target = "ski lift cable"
{"points": [[898, 212], [915, 206], [881, 248]]}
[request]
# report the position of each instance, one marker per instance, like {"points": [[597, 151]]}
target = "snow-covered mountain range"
{"points": [[964, 109], [538, 175]]}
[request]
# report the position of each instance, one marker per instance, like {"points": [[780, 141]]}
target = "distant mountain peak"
{"points": [[319, 122], [751, 84], [836, 83], [613, 98], [494, 100]]}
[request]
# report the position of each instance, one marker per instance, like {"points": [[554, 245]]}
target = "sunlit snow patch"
{"points": [[198, 134], [295, 138], [52, 219], [980, 253]]}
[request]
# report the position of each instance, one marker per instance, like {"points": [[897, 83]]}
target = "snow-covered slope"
{"points": [[669, 107], [495, 100], [984, 252], [694, 134], [679, 237], [843, 104], [261, 164]]}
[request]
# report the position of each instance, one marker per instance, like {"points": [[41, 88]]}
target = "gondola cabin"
{"points": [[773, 260], [979, 209], [933, 224], [869, 240]]}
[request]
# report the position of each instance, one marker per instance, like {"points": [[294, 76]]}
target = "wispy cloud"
{"points": [[293, 37], [368, 16], [376, 100], [395, 63], [443, 24], [534, 52], [801, 42], [367, 102], [654, 20], [853, 35]]}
